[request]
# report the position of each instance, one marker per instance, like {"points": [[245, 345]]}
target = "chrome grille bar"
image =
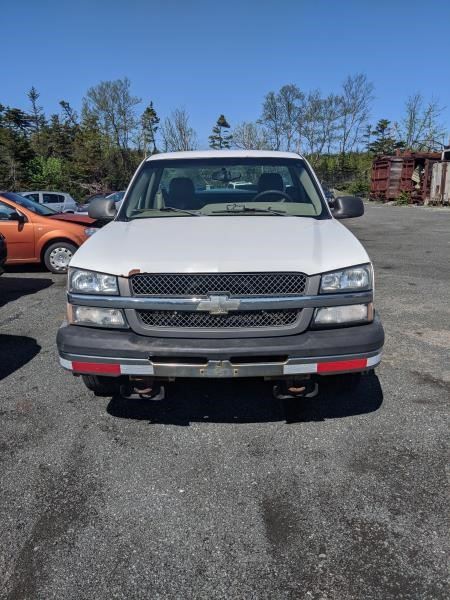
{"points": [[191, 304]]}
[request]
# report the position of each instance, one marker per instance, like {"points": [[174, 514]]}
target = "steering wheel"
{"points": [[270, 193]]}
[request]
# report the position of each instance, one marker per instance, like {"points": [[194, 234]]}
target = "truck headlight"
{"points": [[343, 315], [90, 282], [96, 317], [353, 279]]}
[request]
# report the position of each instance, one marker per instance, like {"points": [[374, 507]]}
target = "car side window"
{"points": [[34, 197], [52, 198], [5, 212]]}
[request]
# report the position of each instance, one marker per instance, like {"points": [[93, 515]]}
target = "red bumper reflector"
{"points": [[342, 365], [103, 368]]}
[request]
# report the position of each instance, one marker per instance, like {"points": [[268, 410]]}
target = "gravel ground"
{"points": [[220, 491]]}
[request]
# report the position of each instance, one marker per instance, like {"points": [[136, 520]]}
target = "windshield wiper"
{"points": [[193, 213], [236, 209]]}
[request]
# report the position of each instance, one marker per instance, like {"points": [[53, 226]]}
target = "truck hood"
{"points": [[220, 244]]}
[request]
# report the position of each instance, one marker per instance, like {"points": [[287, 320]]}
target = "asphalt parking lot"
{"points": [[220, 491]]}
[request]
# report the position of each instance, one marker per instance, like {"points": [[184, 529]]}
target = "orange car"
{"points": [[35, 233]]}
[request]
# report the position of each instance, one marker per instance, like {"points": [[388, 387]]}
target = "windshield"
{"points": [[223, 187], [35, 207], [116, 196]]}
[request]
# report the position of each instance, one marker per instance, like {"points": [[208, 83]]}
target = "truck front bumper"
{"points": [[113, 353]]}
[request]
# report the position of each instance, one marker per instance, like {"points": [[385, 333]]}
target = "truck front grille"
{"points": [[201, 320], [204, 284]]}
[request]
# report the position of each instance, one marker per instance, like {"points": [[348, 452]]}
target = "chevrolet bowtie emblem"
{"points": [[218, 305]]}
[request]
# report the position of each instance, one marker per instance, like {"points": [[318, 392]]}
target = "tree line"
{"points": [[98, 149]]}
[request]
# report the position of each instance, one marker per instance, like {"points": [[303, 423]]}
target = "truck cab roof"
{"points": [[199, 154]]}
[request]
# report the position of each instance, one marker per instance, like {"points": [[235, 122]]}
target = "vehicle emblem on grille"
{"points": [[218, 305]]}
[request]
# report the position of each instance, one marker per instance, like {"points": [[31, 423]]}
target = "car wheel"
{"points": [[57, 256], [102, 386]]}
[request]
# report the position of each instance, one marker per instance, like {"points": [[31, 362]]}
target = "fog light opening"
{"points": [[97, 317], [341, 315]]}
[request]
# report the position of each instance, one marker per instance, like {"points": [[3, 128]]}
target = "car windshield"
{"points": [[35, 207], [223, 187], [116, 196]]}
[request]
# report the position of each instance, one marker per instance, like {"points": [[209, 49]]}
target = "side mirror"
{"points": [[17, 216], [102, 209], [347, 207]]}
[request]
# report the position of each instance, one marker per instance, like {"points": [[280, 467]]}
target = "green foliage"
{"points": [[359, 187], [348, 173], [47, 173], [403, 199]]}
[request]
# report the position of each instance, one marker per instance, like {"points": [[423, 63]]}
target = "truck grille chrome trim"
{"points": [[248, 303], [201, 320], [205, 284]]}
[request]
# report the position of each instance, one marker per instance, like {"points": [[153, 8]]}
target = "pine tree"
{"points": [[149, 125], [90, 156], [38, 117], [38, 122], [70, 115], [367, 135], [384, 142], [219, 139], [15, 149]]}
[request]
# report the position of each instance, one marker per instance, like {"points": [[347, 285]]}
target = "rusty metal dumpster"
{"points": [[408, 172]]}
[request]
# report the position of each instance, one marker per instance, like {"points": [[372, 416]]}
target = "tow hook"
{"points": [[295, 388], [145, 388]]}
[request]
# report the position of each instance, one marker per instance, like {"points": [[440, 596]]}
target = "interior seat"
{"points": [[270, 181], [182, 194]]}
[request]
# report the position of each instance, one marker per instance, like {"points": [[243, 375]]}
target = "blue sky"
{"points": [[223, 57]]}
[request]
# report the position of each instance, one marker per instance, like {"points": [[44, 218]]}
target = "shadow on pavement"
{"points": [[15, 352], [12, 288], [332, 404], [26, 268], [245, 401]]}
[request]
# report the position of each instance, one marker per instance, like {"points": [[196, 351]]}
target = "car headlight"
{"points": [[90, 231], [96, 317], [353, 279], [90, 282]]}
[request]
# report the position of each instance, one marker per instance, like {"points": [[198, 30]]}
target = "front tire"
{"points": [[102, 386], [57, 256]]}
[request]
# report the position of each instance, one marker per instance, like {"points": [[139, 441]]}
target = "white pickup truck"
{"points": [[194, 277]]}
